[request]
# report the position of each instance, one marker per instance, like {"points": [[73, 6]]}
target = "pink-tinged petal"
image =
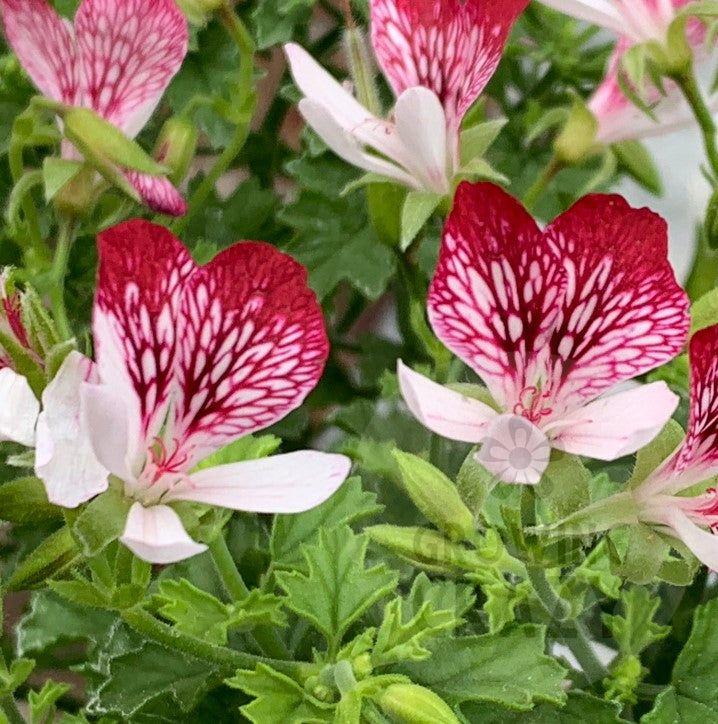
{"points": [[289, 483], [19, 408], [703, 544], [106, 417], [421, 127], [497, 291], [156, 535], [65, 460], [599, 12], [45, 46], [441, 410], [348, 146], [515, 450], [142, 272], [623, 313], [451, 47], [158, 193], [252, 345], [617, 425], [129, 51]]}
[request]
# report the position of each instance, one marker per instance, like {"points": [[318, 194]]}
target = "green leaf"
{"points": [[275, 21], [54, 553], [338, 589], [640, 553], [565, 485], [246, 448], [42, 703], [502, 598], [442, 595], [650, 457], [509, 669], [704, 311], [24, 501], [15, 676], [80, 592], [102, 521], [56, 173], [277, 698], [348, 505], [475, 141], [402, 639], [635, 630], [417, 210]]}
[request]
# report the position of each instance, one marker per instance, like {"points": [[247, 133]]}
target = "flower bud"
{"points": [[176, 147], [675, 56], [362, 666], [577, 140], [711, 224], [198, 12], [413, 704], [435, 496], [363, 70]]}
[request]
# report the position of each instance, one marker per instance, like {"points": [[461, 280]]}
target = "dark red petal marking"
{"points": [[497, 290], [45, 46], [158, 193], [129, 51], [700, 448], [252, 345], [449, 46], [142, 272], [623, 312]]}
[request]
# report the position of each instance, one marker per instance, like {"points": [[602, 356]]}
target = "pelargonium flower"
{"points": [[551, 321], [438, 56], [635, 22], [188, 360], [663, 497], [117, 59]]}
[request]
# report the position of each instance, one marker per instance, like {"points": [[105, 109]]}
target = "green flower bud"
{"points": [[675, 56], [362, 666], [711, 223], [176, 147], [413, 704], [363, 70], [577, 141], [77, 197], [435, 496]]}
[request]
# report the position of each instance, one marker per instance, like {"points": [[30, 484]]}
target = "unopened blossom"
{"points": [[552, 321], [673, 497], [437, 56], [117, 59], [635, 22], [189, 359]]}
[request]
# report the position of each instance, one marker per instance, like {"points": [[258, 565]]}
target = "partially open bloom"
{"points": [[635, 22], [664, 498], [188, 359], [117, 59], [438, 56], [551, 320]]}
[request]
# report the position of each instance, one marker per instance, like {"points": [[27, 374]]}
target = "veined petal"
{"points": [[616, 425], [346, 146], [19, 408], [703, 544], [281, 484], [599, 12], [158, 193], [497, 291], [443, 411], [451, 47], [65, 460], [252, 345], [142, 272], [129, 52], [45, 46], [623, 313], [421, 127], [156, 535]]}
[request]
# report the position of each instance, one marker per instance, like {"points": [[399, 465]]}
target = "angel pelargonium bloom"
{"points": [[635, 22], [663, 497], [117, 59], [189, 359], [551, 321], [438, 56]]}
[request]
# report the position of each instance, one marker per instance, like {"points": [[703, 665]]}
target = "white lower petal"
{"points": [[64, 458], [515, 450], [347, 147], [19, 408], [441, 410], [289, 483], [702, 543], [422, 128], [156, 535], [617, 425]]}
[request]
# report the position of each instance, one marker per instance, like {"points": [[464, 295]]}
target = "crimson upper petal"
{"points": [[452, 47]]}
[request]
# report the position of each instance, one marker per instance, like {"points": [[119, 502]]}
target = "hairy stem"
{"points": [[538, 188], [58, 273], [17, 168]]}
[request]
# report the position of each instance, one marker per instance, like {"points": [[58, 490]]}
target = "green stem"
{"points": [[689, 87], [537, 189], [228, 659], [17, 169], [58, 273]]}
